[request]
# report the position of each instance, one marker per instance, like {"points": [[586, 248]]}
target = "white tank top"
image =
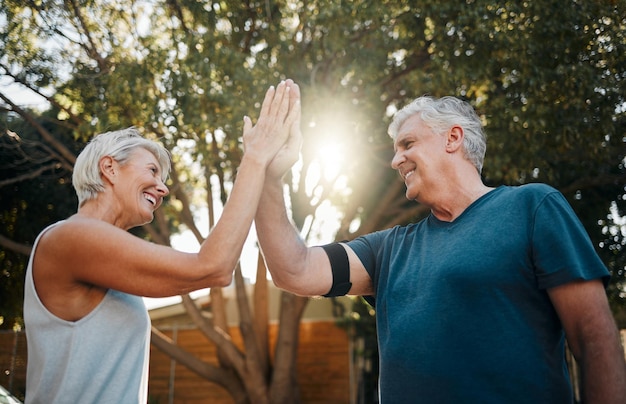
{"points": [[101, 358]]}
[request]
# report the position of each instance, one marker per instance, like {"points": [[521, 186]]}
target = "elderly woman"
{"points": [[87, 328]]}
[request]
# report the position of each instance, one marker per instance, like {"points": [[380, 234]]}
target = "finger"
{"points": [[247, 127], [294, 93], [293, 118], [247, 124], [280, 103], [267, 101]]}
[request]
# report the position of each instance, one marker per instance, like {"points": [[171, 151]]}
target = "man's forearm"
{"points": [[282, 247], [604, 374], [600, 355]]}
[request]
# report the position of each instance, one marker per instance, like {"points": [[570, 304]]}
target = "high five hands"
{"points": [[276, 137]]}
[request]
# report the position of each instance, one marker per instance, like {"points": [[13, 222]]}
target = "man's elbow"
{"points": [[281, 283], [297, 288]]}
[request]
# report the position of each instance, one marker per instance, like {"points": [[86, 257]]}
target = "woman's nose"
{"points": [[162, 188]]}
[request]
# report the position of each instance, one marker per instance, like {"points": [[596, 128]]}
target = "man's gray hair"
{"points": [[441, 114]]}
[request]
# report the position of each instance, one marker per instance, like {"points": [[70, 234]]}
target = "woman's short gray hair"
{"points": [[118, 145], [440, 114]]}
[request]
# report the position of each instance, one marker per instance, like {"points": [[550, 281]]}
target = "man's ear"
{"points": [[454, 139], [108, 168]]}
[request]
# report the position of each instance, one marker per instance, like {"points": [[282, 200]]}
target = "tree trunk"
{"points": [[284, 387], [225, 378]]}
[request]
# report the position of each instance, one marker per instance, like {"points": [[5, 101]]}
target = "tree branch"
{"points": [[51, 100], [261, 314], [221, 339], [28, 176], [91, 49], [68, 158], [228, 380], [17, 247], [252, 357]]}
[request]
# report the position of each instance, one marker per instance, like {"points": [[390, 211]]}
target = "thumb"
{"points": [[247, 124]]}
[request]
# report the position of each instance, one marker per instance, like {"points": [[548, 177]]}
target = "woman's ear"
{"points": [[454, 140], [108, 168]]}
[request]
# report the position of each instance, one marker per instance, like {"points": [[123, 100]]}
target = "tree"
{"points": [[36, 189], [110, 85], [547, 77]]}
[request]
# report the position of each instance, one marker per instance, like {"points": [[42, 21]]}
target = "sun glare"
{"points": [[330, 158], [326, 170]]}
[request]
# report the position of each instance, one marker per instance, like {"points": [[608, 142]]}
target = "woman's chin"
{"points": [[148, 218]]}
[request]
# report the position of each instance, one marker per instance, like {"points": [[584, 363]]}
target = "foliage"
{"points": [[548, 77], [36, 190]]}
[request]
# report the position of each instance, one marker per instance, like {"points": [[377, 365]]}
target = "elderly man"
{"points": [[474, 303]]}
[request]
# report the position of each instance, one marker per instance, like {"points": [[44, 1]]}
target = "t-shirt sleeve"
{"points": [[368, 248], [562, 249]]}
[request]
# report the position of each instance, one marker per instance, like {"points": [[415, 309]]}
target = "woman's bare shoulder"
{"points": [[55, 282], [80, 230]]}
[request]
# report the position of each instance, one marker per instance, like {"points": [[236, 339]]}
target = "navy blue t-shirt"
{"points": [[462, 311]]}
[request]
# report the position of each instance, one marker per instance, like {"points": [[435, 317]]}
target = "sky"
{"points": [[186, 241], [21, 96]]}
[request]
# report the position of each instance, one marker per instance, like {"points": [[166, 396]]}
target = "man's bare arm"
{"points": [[294, 266], [594, 340]]}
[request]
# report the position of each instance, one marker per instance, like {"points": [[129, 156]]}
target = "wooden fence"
{"points": [[323, 367], [13, 362]]}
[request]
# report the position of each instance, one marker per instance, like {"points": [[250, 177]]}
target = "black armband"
{"points": [[341, 269]]}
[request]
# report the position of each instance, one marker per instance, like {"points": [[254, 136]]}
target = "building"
{"points": [[323, 363]]}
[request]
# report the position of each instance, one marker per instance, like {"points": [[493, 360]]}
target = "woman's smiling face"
{"points": [[142, 189]]}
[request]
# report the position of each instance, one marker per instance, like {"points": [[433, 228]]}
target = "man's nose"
{"points": [[397, 159]]}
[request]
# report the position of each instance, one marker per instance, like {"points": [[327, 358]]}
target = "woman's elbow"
{"points": [[207, 277], [223, 280], [217, 276]]}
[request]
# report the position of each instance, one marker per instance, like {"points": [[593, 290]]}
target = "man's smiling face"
{"points": [[418, 153]]}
